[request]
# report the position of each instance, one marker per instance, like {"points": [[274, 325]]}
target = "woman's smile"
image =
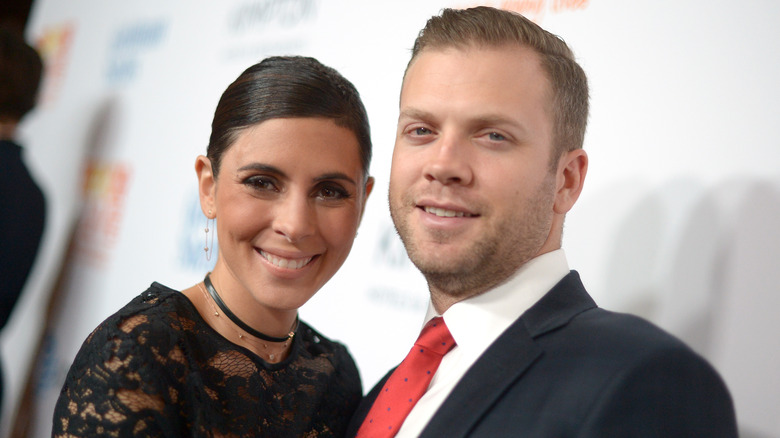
{"points": [[285, 262]]}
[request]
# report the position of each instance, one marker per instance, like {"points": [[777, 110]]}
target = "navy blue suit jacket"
{"points": [[567, 368]]}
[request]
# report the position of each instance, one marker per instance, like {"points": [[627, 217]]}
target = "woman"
{"points": [[286, 175]]}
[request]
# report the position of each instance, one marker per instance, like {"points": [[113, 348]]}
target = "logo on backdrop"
{"points": [[54, 45], [105, 191], [536, 9], [257, 15], [128, 46], [259, 28], [395, 282], [192, 238], [389, 250]]}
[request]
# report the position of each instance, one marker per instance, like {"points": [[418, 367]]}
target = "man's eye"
{"points": [[422, 131], [496, 136]]}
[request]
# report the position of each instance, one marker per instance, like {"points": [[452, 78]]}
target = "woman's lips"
{"points": [[286, 263]]}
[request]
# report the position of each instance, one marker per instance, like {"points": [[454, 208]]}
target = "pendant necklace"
{"points": [[213, 297]]}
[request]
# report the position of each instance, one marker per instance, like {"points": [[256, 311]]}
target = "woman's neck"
{"points": [[272, 352]]}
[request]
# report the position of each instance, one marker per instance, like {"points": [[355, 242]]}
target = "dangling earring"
{"points": [[209, 245]]}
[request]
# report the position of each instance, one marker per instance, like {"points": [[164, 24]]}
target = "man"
{"points": [[488, 160]]}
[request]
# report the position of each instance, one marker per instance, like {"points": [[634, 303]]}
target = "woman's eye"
{"points": [[329, 192], [261, 183]]}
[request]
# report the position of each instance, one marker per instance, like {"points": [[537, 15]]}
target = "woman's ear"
{"points": [[570, 178], [207, 186]]}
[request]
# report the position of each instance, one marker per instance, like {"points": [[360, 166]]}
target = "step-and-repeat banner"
{"points": [[677, 222]]}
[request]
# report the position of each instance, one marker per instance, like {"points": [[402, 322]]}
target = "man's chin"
{"points": [[443, 270], [441, 261]]}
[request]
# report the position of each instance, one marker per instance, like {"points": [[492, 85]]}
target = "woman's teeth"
{"points": [[285, 263]]}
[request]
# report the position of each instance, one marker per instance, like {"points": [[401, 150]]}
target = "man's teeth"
{"points": [[446, 213], [285, 263]]}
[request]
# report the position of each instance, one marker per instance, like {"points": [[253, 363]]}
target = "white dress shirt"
{"points": [[475, 323]]}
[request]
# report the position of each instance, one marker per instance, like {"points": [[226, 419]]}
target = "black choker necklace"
{"points": [[242, 324]]}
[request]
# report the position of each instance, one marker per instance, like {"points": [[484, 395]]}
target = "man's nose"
{"points": [[449, 162]]}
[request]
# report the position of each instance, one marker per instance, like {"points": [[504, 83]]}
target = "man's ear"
{"points": [[207, 186], [570, 178]]}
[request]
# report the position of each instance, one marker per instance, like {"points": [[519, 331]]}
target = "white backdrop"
{"points": [[677, 221]]}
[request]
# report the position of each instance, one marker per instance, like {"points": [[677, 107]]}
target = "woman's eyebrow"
{"points": [[335, 175], [260, 167]]}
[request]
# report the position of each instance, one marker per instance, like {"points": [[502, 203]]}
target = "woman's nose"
{"points": [[294, 218]]}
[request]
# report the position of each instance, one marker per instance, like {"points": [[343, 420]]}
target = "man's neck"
{"points": [[444, 294]]}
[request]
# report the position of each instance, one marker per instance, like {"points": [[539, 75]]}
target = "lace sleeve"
{"points": [[346, 391], [122, 383]]}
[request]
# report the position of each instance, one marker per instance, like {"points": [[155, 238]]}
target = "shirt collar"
{"points": [[482, 318]]}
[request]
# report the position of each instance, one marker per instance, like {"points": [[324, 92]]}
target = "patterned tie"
{"points": [[408, 382]]}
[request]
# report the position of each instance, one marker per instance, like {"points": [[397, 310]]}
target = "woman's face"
{"points": [[288, 201]]}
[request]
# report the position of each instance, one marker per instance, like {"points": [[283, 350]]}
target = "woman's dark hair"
{"points": [[287, 87]]}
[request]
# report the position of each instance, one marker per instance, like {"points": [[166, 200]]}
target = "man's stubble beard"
{"points": [[504, 247]]}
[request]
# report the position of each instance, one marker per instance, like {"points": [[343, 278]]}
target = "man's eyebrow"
{"points": [[414, 113], [487, 119], [496, 119]]}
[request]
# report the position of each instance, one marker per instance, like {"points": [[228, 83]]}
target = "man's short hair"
{"points": [[20, 76], [489, 27]]}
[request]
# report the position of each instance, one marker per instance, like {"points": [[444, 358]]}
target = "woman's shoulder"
{"points": [[319, 345], [344, 388], [311, 337], [130, 368], [156, 316], [152, 326], [158, 301], [157, 297]]}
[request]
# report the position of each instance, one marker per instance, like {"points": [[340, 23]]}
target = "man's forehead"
{"points": [[502, 86], [505, 66], [473, 49], [473, 53]]}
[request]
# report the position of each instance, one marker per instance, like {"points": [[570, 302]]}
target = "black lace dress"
{"points": [[155, 368]]}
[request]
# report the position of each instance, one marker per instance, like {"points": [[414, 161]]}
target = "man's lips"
{"points": [[286, 263], [443, 212]]}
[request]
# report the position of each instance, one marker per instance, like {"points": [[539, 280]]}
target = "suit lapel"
{"points": [[507, 359], [483, 383], [565, 300]]}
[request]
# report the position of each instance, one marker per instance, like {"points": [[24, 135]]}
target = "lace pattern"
{"points": [[155, 368]]}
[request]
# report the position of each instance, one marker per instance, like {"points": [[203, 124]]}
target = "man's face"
{"points": [[471, 185]]}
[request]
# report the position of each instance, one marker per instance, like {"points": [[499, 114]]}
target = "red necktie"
{"points": [[408, 382]]}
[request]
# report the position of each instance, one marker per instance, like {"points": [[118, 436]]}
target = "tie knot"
{"points": [[436, 337]]}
